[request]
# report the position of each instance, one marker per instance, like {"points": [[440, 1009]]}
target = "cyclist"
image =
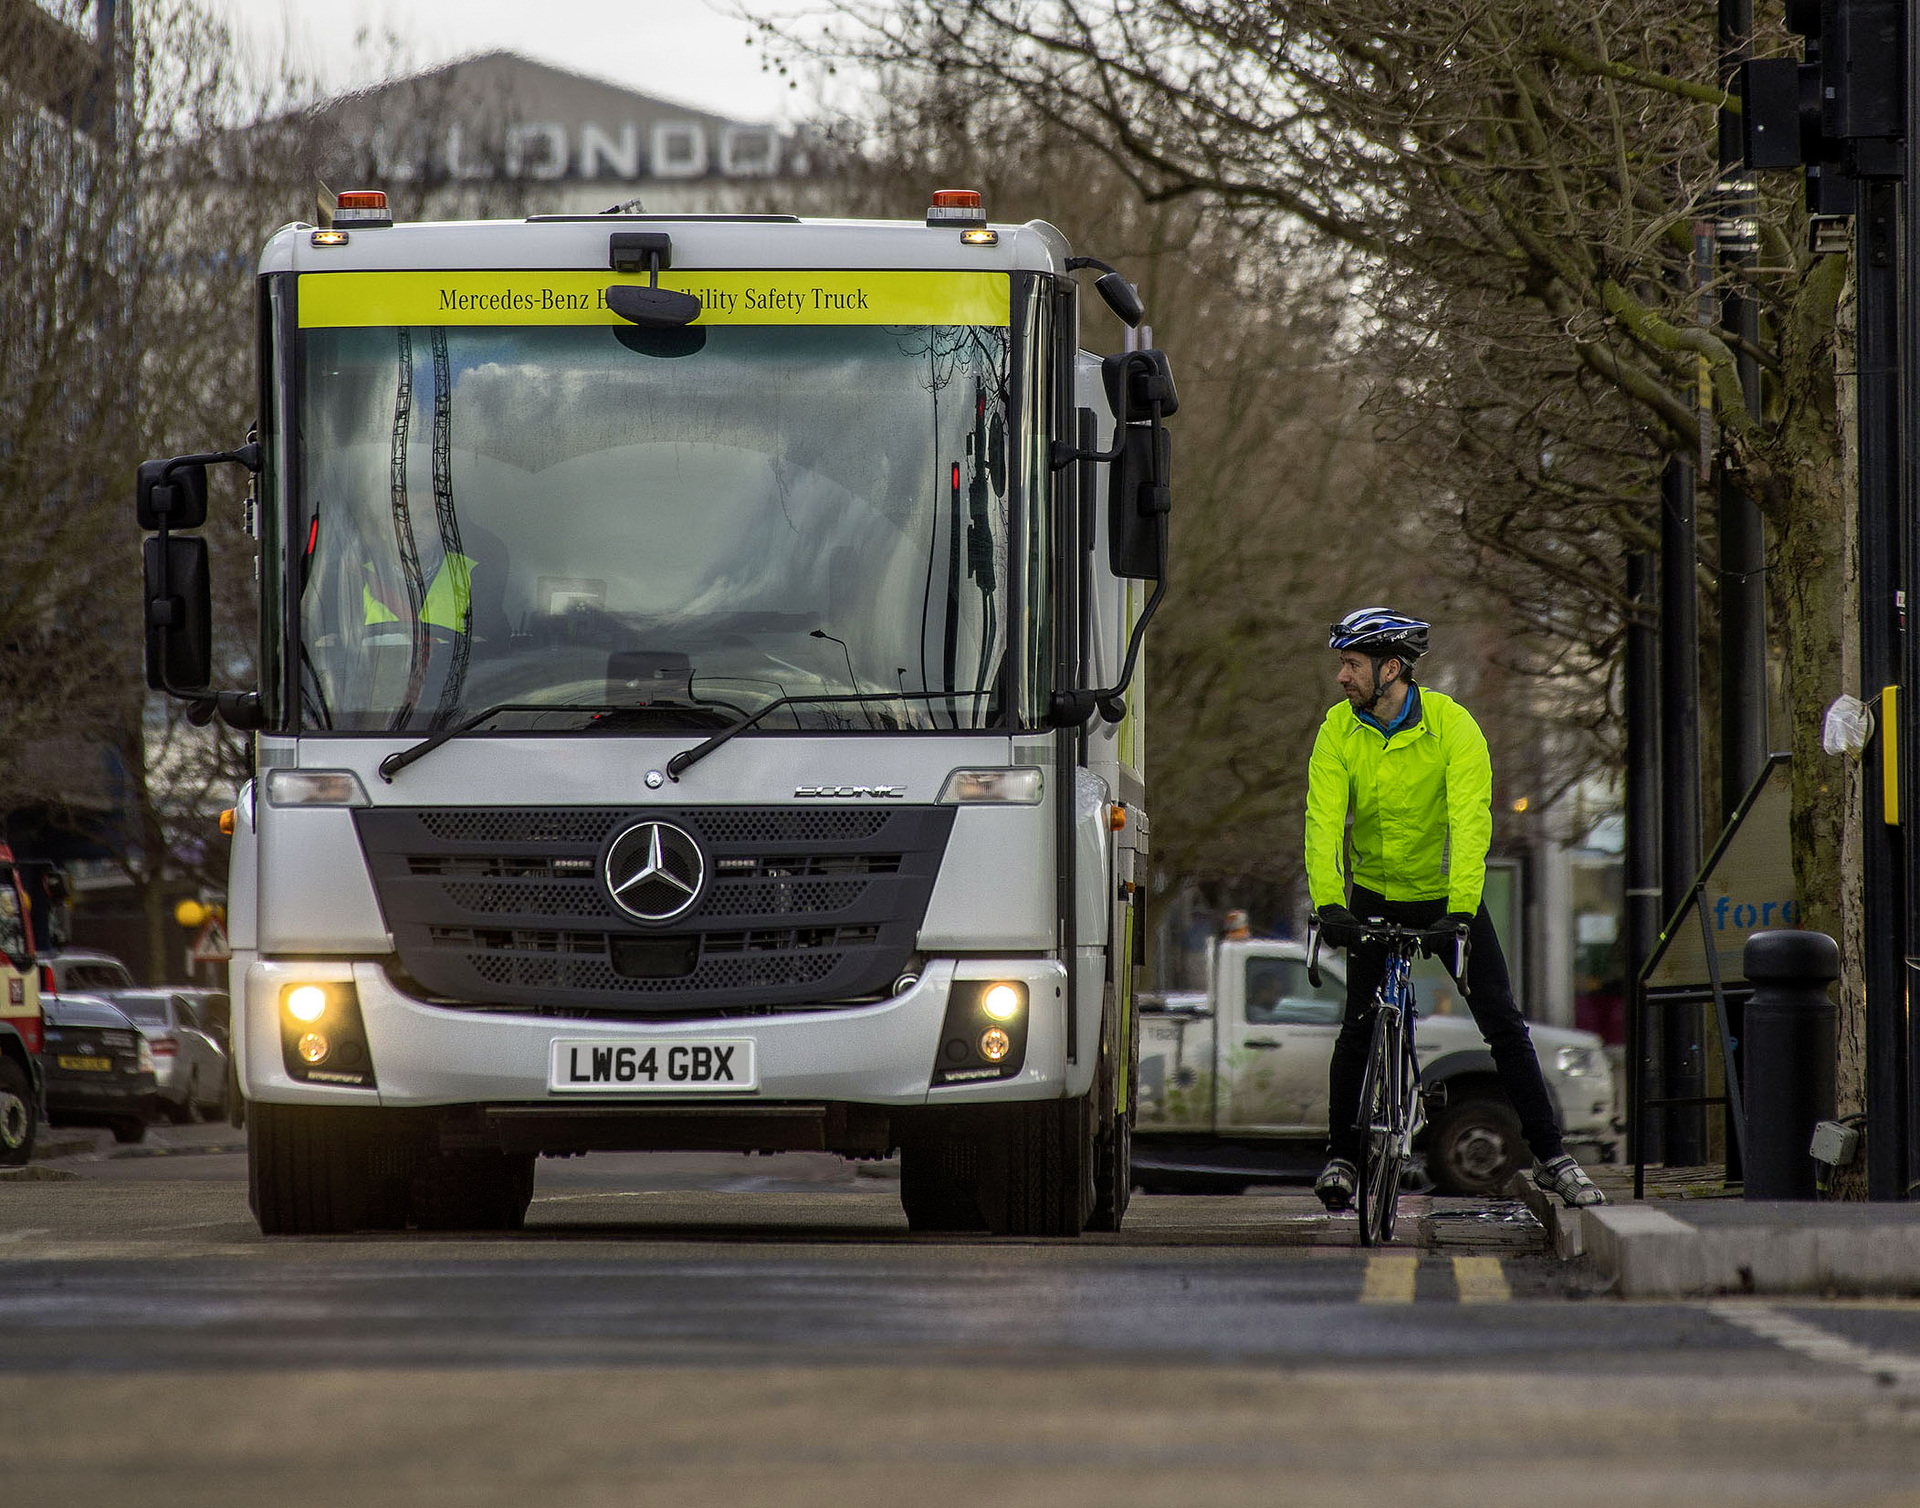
{"points": [[1413, 767]]}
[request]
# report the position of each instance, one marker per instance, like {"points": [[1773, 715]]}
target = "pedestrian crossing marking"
{"points": [[1481, 1280], [1389, 1280]]}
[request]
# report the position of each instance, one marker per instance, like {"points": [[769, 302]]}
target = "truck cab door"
{"points": [[1277, 1035]]}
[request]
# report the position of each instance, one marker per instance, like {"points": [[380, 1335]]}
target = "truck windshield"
{"points": [[651, 530]]}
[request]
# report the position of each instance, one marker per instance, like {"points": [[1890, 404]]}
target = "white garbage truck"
{"points": [[699, 707]]}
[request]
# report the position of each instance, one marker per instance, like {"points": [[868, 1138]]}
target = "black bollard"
{"points": [[1789, 1054]]}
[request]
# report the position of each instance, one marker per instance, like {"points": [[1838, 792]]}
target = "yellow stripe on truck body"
{"points": [[336, 300]]}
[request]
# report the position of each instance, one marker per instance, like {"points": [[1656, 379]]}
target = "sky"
{"points": [[688, 51]]}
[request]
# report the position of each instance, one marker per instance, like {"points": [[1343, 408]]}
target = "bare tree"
{"points": [[1522, 178], [1287, 512]]}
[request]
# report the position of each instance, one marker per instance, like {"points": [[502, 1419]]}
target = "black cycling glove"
{"points": [[1443, 934], [1339, 926]]}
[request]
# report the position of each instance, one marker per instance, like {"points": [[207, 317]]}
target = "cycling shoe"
{"points": [[1334, 1186]]}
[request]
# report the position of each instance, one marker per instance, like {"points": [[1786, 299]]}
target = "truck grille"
{"points": [[798, 907]]}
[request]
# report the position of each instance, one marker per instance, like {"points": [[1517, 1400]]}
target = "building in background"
{"points": [[502, 134]]}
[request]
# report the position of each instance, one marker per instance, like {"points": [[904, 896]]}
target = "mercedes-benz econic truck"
{"points": [[698, 708]]}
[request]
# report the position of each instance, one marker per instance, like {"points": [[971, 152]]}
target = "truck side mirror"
{"points": [[1139, 483], [175, 499], [179, 598], [1137, 497]]}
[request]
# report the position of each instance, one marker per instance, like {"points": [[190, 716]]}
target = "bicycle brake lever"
{"points": [[1313, 951]]}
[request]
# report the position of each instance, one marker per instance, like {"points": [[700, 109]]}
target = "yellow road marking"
{"points": [[1481, 1280], [1389, 1280]]}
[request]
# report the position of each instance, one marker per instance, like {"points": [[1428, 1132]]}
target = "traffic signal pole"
{"points": [[1744, 739], [1909, 712], [1844, 115], [1881, 551]]}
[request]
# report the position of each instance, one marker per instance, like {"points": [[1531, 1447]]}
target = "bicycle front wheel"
{"points": [[1382, 1158]]}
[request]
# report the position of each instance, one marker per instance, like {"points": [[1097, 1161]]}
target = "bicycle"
{"points": [[1392, 1103]]}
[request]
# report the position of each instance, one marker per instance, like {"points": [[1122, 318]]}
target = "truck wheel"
{"points": [[1036, 1176], [320, 1170], [939, 1170], [19, 1116], [128, 1130], [1475, 1146], [472, 1191]]}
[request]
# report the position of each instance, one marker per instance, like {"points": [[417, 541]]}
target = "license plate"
{"points": [[90, 1065], [629, 1067]]}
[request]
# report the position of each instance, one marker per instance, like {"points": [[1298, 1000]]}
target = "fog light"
{"points": [[995, 1044], [1002, 1002], [307, 1003], [312, 1047]]}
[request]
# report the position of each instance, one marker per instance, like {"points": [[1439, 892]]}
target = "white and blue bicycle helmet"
{"points": [[1381, 634]]}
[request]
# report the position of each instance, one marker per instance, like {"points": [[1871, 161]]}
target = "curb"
{"points": [[52, 1144], [1650, 1254], [1562, 1225]]}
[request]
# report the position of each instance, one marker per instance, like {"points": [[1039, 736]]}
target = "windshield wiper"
{"points": [[687, 758], [394, 763]]}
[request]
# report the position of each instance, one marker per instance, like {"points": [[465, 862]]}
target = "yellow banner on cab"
{"points": [[335, 300]]}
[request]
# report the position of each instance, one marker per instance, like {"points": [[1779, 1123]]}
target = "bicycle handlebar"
{"points": [[1415, 939]]}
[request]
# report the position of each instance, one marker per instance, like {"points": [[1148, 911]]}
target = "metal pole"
{"points": [[1641, 695], [1877, 271], [1744, 738], [1681, 1066], [1909, 715]]}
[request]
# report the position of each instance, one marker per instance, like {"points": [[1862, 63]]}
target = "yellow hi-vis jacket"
{"points": [[1413, 795]]}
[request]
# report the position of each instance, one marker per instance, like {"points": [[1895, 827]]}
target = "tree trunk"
{"points": [[153, 906]]}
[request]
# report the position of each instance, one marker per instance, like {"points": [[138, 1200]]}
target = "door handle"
{"points": [[1265, 1044]]}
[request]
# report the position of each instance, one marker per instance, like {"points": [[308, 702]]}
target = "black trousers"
{"points": [[1489, 997]]}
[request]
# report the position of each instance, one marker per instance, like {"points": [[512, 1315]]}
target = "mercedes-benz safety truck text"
{"points": [[699, 707]]}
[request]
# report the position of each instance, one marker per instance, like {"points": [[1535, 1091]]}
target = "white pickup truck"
{"points": [[1233, 1081]]}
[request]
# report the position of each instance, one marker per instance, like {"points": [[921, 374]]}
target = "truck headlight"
{"points": [[315, 788], [322, 1037], [1015, 787], [1579, 1062]]}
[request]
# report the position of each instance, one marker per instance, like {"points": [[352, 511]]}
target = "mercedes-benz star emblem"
{"points": [[654, 870]]}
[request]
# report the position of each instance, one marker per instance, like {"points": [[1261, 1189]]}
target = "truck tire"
{"points": [[1475, 1146], [319, 1170], [472, 1191], [128, 1130], [19, 1115], [939, 1174], [1036, 1175]]}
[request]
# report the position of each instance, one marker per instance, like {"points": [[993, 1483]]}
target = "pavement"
{"points": [[1692, 1237]]}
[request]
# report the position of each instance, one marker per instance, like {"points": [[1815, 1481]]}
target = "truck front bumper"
{"points": [[427, 1055]]}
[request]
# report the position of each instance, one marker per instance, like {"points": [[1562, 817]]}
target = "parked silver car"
{"points": [[78, 971], [1233, 1082], [190, 1066]]}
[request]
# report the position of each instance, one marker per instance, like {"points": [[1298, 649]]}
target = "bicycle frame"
{"points": [[1391, 1110]]}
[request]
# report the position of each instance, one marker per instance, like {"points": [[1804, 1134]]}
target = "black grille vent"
{"points": [[782, 897], [800, 906], [789, 826], [591, 975], [573, 898], [519, 825]]}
